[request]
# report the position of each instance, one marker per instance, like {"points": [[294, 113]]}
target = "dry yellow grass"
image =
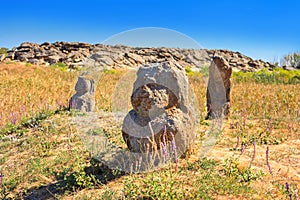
{"points": [[267, 113], [26, 90]]}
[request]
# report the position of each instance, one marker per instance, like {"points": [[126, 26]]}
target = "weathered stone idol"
{"points": [[161, 108], [218, 89], [84, 99]]}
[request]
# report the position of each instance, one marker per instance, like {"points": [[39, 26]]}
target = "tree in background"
{"points": [[3, 50], [291, 60]]}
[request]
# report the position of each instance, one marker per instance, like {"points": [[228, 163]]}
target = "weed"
{"points": [[231, 169]]}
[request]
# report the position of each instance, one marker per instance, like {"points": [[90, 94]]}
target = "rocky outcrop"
{"points": [[75, 54], [240, 62], [218, 89], [161, 110], [47, 53]]}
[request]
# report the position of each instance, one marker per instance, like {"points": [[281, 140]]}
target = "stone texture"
{"points": [[119, 56], [2, 57], [160, 100], [218, 89], [84, 99]]}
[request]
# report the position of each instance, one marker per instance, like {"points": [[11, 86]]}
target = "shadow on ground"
{"points": [[91, 176]]}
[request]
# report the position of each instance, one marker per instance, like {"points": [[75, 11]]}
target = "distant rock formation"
{"points": [[76, 53]]}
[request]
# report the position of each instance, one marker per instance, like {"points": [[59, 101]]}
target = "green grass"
{"points": [[202, 179]]}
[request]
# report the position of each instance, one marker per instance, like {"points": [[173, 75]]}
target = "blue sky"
{"points": [[259, 29]]}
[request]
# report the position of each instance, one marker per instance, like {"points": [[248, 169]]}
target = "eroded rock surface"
{"points": [[218, 89], [75, 54], [161, 106], [84, 99]]}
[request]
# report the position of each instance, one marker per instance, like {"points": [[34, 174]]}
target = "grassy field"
{"points": [[42, 156]]}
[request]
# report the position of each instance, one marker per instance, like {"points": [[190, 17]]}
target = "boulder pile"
{"points": [[76, 53]]}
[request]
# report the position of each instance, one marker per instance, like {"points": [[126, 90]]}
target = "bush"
{"points": [[189, 71], [60, 65], [205, 71], [277, 76], [3, 50]]}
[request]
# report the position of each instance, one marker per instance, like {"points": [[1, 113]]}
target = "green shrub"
{"points": [[28, 64], [189, 71], [202, 72], [277, 76], [205, 71], [3, 50], [231, 169], [60, 65]]}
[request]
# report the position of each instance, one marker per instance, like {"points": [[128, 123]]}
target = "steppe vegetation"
{"points": [[42, 157]]}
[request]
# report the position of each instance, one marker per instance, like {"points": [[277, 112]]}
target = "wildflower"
{"points": [[13, 118], [270, 126], [165, 142], [174, 149], [288, 190], [22, 110], [236, 124], [164, 150], [267, 160], [237, 143], [1, 176], [72, 104], [296, 195], [244, 148], [164, 135]]}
